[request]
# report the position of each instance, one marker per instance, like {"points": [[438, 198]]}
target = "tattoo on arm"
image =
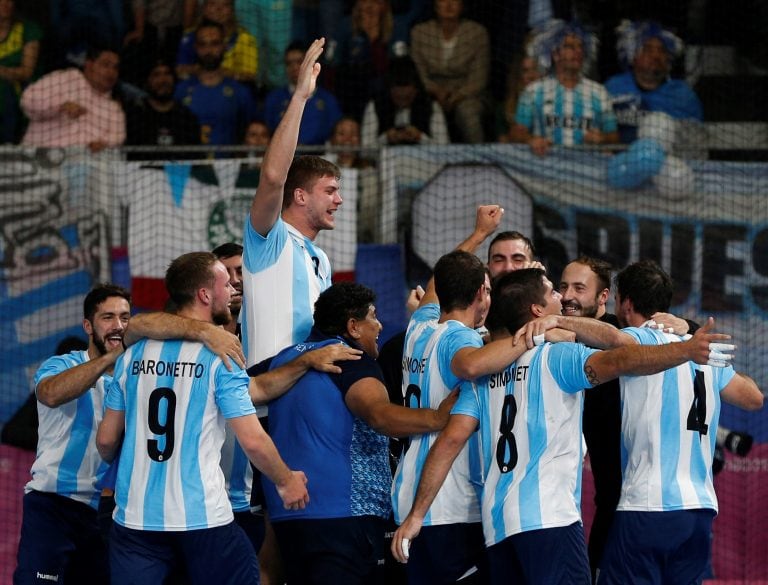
{"points": [[591, 375]]}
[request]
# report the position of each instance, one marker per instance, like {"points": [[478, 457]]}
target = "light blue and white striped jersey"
{"points": [[283, 274], [427, 380], [176, 395], [668, 431], [67, 461], [529, 426], [548, 109]]}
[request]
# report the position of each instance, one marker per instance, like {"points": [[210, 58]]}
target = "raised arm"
{"points": [[268, 201], [291, 485], [368, 399], [439, 460], [168, 326], [273, 384], [644, 360], [487, 220]]}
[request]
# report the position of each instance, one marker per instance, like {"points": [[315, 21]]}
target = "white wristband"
{"points": [[538, 339]]}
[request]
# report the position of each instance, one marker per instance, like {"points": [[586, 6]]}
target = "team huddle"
{"points": [[142, 472]]}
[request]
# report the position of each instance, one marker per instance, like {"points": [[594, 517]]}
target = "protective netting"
{"points": [[686, 196]]}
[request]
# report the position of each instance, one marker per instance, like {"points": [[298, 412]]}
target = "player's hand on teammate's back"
{"points": [[293, 491], [706, 347], [324, 359]]}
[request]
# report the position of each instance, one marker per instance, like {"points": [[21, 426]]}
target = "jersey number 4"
{"points": [[506, 448], [161, 401], [698, 413]]}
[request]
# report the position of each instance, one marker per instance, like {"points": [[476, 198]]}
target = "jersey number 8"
{"points": [[506, 448]]}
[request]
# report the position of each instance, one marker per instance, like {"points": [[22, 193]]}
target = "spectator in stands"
{"points": [[241, 57], [362, 57], [321, 112], [270, 23], [77, 24], [76, 108], [158, 119], [646, 51], [404, 113], [453, 58], [312, 19], [157, 30], [257, 134], [19, 50], [346, 133], [523, 71], [564, 108], [221, 104]]}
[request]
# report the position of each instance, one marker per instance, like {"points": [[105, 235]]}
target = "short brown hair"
{"points": [[304, 171], [187, 274], [601, 268]]}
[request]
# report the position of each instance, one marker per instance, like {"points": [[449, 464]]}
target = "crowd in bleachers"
{"points": [[103, 73]]}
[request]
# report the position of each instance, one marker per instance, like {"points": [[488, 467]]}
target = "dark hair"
{"points": [[187, 274], [227, 250], [511, 235], [70, 344], [296, 45], [161, 62], [209, 24], [512, 295], [94, 50], [100, 293], [303, 173], [402, 71], [647, 285], [458, 276], [601, 268], [340, 303]]}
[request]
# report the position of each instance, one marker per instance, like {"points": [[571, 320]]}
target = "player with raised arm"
{"points": [[441, 349], [529, 420]]}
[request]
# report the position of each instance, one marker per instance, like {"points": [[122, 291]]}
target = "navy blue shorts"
{"points": [[60, 542], [253, 526], [555, 556], [443, 554], [657, 548], [342, 551], [221, 555]]}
